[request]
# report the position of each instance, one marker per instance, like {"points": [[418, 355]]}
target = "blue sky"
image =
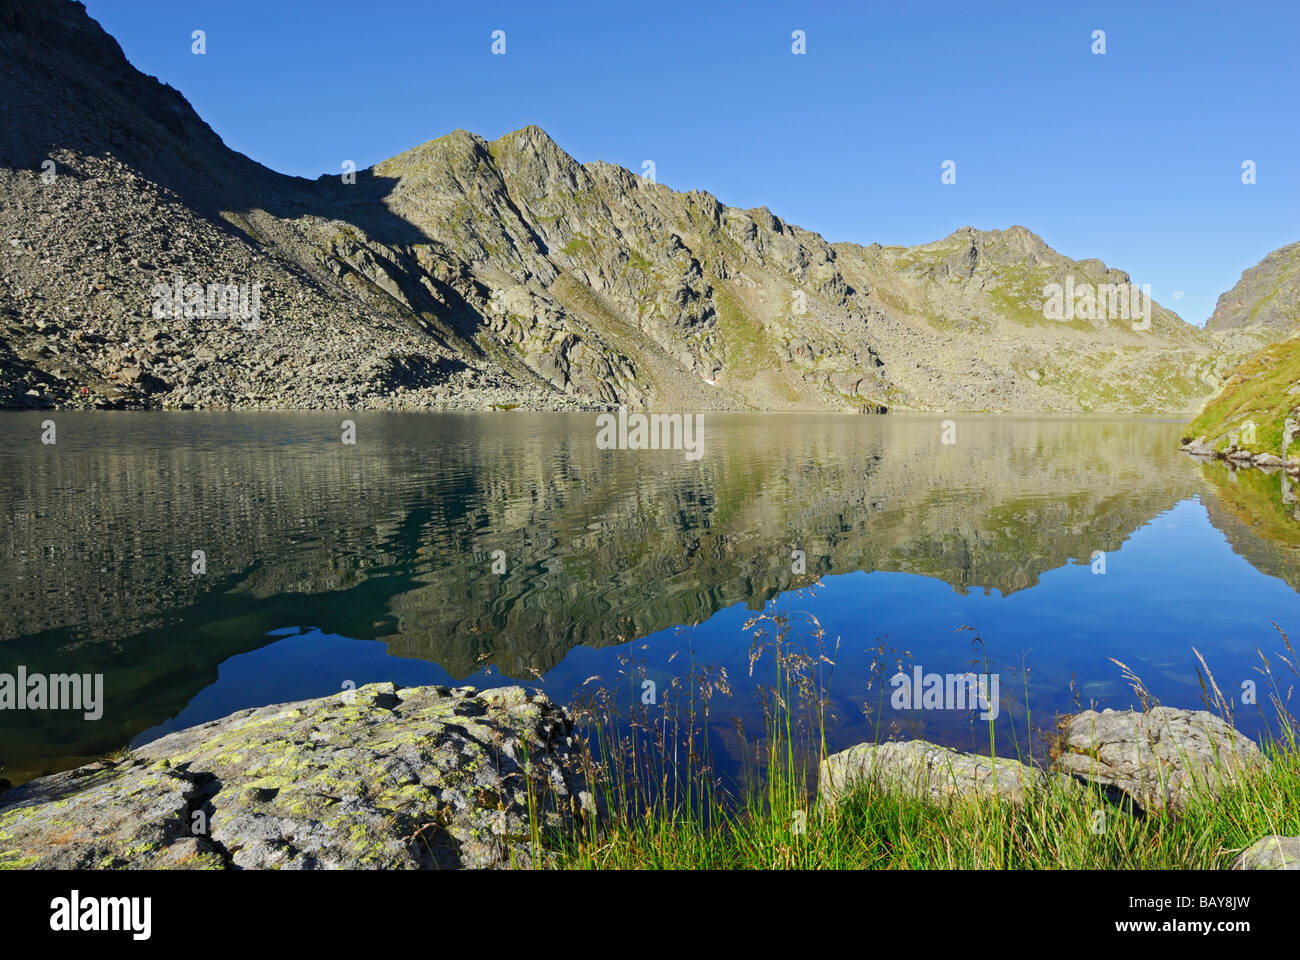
{"points": [[1134, 156]]}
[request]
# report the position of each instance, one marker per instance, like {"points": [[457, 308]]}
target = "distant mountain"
{"points": [[1267, 295], [467, 273], [1262, 391]]}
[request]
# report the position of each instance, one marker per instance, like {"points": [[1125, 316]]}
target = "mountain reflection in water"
{"points": [[329, 563]]}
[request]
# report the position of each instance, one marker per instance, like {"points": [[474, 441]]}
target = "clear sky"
{"points": [[1134, 156]]}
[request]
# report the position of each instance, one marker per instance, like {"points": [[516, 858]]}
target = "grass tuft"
{"points": [[668, 810]]}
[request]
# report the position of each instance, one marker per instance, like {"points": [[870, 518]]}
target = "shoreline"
{"points": [[1240, 456], [389, 777]]}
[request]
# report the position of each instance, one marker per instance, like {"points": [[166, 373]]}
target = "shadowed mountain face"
{"points": [[396, 537], [464, 273]]}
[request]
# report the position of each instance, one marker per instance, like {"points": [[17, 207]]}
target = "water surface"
{"points": [[1058, 543]]}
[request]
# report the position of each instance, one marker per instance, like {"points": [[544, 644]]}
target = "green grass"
{"points": [[747, 347], [580, 248], [669, 811], [1255, 391], [636, 260], [1015, 287], [1052, 829]]}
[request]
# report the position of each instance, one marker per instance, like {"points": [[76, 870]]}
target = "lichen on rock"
{"points": [[381, 777], [1270, 853]]}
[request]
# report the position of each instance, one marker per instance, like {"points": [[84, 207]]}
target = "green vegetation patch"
{"points": [[1255, 498], [1053, 829], [742, 336], [580, 248], [660, 820], [1018, 284], [1255, 391]]}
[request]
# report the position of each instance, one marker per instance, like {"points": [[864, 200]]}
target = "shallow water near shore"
{"points": [[505, 548]]}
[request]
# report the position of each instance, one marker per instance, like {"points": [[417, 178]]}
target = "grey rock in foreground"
{"points": [[1162, 758], [921, 769], [379, 778], [1270, 853]]}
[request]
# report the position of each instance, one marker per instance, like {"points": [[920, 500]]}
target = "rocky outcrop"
{"points": [[1270, 853], [1198, 447], [925, 770], [381, 778], [1163, 758], [1239, 456], [1268, 295]]}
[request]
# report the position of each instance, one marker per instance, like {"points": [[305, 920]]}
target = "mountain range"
{"points": [[467, 273]]}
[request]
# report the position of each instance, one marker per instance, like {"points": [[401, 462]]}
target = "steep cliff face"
{"points": [[1267, 295], [470, 273], [1261, 393]]}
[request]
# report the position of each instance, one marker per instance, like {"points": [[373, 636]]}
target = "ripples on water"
{"points": [[330, 563]]}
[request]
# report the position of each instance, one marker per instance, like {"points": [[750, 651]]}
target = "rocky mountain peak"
{"points": [[1267, 295], [464, 269]]}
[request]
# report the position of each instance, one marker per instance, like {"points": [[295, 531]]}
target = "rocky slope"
{"points": [[1267, 295], [469, 273], [1255, 412], [1248, 416]]}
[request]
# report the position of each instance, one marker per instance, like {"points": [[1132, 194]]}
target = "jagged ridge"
{"points": [[467, 273]]}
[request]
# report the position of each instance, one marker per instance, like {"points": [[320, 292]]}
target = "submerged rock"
{"points": [[381, 777], [1270, 853], [919, 769], [1162, 758]]}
